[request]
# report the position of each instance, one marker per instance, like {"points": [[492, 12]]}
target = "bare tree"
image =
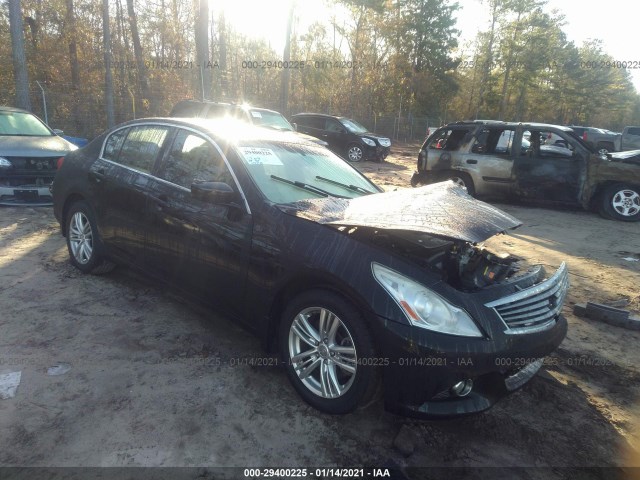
{"points": [[143, 80], [108, 81], [286, 57], [19, 59], [202, 46], [70, 29]]}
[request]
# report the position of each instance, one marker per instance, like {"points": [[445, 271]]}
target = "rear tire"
{"points": [[325, 343], [83, 242], [620, 202]]}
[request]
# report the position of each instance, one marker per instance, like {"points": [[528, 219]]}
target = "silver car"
{"points": [[29, 156]]}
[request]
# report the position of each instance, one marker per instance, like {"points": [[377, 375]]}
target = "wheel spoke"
{"points": [[305, 372], [344, 364], [343, 350], [305, 331], [329, 381], [304, 356], [333, 329]]}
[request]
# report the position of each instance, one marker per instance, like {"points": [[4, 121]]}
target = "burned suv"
{"points": [[533, 162]]}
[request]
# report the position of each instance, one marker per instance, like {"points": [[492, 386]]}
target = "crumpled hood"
{"points": [[19, 146], [629, 156], [442, 209]]}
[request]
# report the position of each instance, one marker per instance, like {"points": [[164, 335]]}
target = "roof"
{"points": [[511, 124], [225, 130], [13, 109]]}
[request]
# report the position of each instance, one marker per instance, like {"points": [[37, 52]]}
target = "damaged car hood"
{"points": [[34, 146], [442, 209], [629, 156]]}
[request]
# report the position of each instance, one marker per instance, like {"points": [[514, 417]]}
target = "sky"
{"points": [[613, 21]]}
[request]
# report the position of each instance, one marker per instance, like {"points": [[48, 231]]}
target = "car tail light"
{"points": [[59, 163], [584, 135]]}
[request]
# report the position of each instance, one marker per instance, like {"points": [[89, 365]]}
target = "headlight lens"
{"points": [[369, 142], [422, 307], [5, 163]]}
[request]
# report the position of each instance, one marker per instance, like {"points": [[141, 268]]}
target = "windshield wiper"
{"points": [[307, 187], [353, 188]]}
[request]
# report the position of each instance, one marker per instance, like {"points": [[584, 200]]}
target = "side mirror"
{"points": [[58, 132], [295, 126], [214, 192]]}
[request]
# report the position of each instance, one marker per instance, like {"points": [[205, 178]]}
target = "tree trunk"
{"points": [[202, 47], [143, 80], [286, 73], [224, 72], [108, 81], [75, 69], [489, 60], [19, 59]]}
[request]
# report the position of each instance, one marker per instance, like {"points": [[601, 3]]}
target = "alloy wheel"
{"points": [[626, 202], [81, 238], [322, 352]]}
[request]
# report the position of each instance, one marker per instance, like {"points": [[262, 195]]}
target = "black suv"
{"points": [[260, 117], [346, 137]]}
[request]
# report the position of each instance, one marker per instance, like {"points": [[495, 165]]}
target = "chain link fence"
{"points": [[81, 114]]}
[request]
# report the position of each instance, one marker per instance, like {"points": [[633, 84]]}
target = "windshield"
{"points": [[286, 172], [275, 120], [20, 123], [353, 126]]}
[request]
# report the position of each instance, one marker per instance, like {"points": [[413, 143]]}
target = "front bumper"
{"points": [[31, 195], [422, 367], [376, 153]]}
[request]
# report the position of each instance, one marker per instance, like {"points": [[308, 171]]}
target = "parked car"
{"points": [[567, 171], [261, 117], [630, 138], [29, 154], [351, 285], [345, 136], [602, 141]]}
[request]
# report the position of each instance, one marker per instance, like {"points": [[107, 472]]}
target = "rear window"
{"points": [[141, 147], [634, 131], [448, 138]]}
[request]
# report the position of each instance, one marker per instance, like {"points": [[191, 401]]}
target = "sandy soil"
{"points": [[155, 380]]}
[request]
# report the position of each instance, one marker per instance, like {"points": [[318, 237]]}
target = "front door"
{"points": [[201, 244], [548, 171]]}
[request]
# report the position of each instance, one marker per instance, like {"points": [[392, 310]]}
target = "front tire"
{"points": [[355, 152], [83, 242], [621, 202], [325, 343]]}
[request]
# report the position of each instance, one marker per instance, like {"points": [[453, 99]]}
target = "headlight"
{"points": [[369, 142], [423, 307], [5, 163]]}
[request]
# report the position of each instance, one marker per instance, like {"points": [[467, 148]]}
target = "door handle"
{"points": [[471, 161], [96, 176]]}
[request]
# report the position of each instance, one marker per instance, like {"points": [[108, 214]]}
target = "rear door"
{"points": [[120, 182], [199, 244]]}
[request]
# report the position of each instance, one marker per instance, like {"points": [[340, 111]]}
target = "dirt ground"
{"points": [[150, 379]]}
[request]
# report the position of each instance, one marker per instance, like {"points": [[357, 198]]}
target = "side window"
{"points": [[633, 131], [114, 144], [186, 109], [142, 146], [193, 159], [546, 144], [448, 139], [333, 126], [494, 141], [315, 122]]}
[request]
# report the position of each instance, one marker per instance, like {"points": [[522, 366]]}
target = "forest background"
{"points": [[394, 65]]}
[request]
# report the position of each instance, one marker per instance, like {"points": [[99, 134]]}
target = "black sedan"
{"points": [[351, 285]]}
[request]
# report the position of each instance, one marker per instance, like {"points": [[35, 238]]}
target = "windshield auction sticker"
{"points": [[259, 156]]}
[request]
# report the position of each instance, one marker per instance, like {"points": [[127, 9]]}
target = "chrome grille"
{"points": [[536, 308]]}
